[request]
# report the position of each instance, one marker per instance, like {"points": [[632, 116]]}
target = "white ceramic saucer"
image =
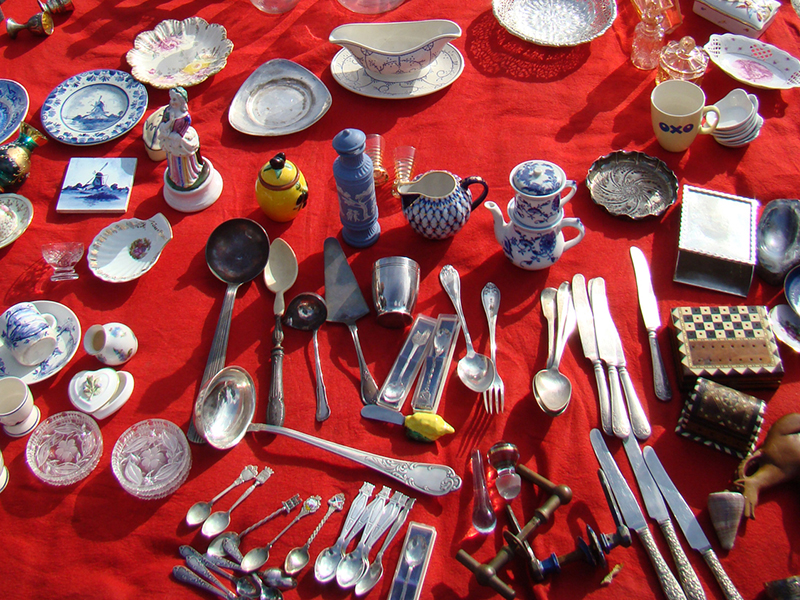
{"points": [[442, 72], [23, 209], [68, 334]]}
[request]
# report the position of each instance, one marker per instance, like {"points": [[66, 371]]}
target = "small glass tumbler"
{"points": [[274, 7], [403, 166], [63, 256], [374, 149]]}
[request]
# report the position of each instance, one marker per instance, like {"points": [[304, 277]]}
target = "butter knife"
{"points": [[633, 516], [639, 423], [657, 509], [652, 321]]}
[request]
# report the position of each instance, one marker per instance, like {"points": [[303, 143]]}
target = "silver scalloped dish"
{"points": [[181, 53], [64, 448], [756, 63], [22, 211], [632, 184], [555, 22]]}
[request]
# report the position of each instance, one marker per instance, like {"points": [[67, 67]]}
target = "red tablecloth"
{"points": [[514, 101]]}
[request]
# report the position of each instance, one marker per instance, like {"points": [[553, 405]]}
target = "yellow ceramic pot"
{"points": [[281, 189]]}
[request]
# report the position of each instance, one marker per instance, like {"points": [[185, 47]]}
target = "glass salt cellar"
{"points": [[503, 456], [648, 38], [682, 60]]}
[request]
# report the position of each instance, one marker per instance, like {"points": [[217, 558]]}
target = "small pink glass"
{"points": [[63, 256]]}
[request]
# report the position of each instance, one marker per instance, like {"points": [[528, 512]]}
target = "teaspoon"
{"points": [[200, 511], [219, 521], [298, 558], [475, 370], [413, 556], [551, 388]]}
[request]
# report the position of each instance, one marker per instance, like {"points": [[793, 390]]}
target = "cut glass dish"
{"points": [[65, 448], [555, 22]]}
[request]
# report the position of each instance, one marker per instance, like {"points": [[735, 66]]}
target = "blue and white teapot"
{"points": [[437, 204]]}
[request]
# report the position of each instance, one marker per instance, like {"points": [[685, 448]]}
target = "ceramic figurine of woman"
{"points": [[190, 182]]}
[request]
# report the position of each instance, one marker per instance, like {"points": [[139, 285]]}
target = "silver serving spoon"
{"points": [[200, 511], [298, 558], [551, 388], [216, 547], [258, 556], [307, 312], [475, 370], [219, 521]]}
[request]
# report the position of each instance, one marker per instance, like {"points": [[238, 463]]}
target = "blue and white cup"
{"points": [[18, 414], [29, 335], [541, 189]]}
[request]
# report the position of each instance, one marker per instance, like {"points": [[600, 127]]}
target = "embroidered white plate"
{"points": [[555, 22], [750, 61], [23, 209], [14, 103], [442, 72], [94, 107], [181, 53]]}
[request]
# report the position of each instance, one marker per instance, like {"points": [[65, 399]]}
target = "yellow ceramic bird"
{"points": [[426, 427]]}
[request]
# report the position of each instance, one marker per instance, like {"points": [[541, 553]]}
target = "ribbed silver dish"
{"points": [[555, 22]]}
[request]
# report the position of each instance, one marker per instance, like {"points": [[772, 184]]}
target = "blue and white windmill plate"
{"points": [[94, 107], [14, 103]]}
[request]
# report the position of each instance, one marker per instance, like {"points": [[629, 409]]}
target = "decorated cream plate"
{"points": [[129, 248], [750, 61], [19, 214], [279, 98], [14, 103], [181, 53], [68, 338], [441, 73], [94, 107]]}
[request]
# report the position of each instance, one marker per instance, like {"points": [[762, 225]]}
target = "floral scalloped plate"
{"points": [[181, 53], [14, 103], [750, 61], [65, 448]]}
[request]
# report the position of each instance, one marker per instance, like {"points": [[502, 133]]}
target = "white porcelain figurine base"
{"points": [[197, 199]]}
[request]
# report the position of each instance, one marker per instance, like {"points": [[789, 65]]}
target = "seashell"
{"points": [[726, 509], [784, 589]]}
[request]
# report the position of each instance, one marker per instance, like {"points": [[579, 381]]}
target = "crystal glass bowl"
{"points": [[151, 459], [65, 448]]}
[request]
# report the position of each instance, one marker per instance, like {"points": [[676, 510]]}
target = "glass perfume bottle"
{"points": [[483, 517], [682, 60], [648, 38]]}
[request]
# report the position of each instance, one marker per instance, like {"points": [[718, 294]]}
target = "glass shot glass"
{"points": [[375, 149], [62, 256]]}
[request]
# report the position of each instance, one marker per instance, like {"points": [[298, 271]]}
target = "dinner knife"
{"points": [[633, 516], [639, 423], [583, 312], [657, 509], [688, 523], [606, 346], [652, 321]]}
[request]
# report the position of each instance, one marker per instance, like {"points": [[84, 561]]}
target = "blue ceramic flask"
{"points": [[358, 206]]}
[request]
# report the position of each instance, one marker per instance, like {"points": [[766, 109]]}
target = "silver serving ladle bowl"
{"points": [[225, 407]]}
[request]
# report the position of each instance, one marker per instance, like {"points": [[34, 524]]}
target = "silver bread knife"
{"points": [[583, 312], [688, 523], [657, 509], [633, 516], [652, 321]]}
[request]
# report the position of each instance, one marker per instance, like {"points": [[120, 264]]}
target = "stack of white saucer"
{"points": [[739, 122]]}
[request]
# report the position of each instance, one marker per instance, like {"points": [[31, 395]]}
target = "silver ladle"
{"points": [[236, 252], [258, 556], [298, 558], [475, 370], [200, 511], [551, 388], [307, 312]]}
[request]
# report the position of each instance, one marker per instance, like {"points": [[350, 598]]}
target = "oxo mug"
{"points": [[29, 335], [678, 111]]}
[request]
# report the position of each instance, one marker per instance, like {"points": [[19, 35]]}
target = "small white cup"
{"points": [[18, 414], [678, 111], [29, 335]]}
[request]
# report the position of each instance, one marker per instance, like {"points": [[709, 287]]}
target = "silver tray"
{"points": [[555, 22], [632, 184]]}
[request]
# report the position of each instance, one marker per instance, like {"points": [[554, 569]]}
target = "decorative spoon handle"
{"points": [[451, 282], [265, 474], [276, 409], [198, 567], [401, 518], [335, 504], [286, 507], [323, 409], [369, 389], [248, 473], [184, 575]]}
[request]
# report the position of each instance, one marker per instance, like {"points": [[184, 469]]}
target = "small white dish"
{"points": [[23, 210], [756, 63], [129, 248], [100, 393], [280, 97], [442, 72], [65, 448], [735, 110], [68, 338], [94, 107], [786, 325], [14, 104], [743, 139], [179, 53]]}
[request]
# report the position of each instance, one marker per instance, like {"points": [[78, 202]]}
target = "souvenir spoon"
{"points": [[551, 388], [200, 511], [236, 252], [219, 521], [298, 558], [258, 556], [475, 370], [307, 312], [279, 275]]}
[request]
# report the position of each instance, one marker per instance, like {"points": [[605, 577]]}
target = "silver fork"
{"points": [[494, 399]]}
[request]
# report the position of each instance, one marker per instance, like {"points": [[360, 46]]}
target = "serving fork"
{"points": [[494, 399]]}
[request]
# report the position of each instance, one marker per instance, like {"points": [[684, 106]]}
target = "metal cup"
{"points": [[395, 286]]}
